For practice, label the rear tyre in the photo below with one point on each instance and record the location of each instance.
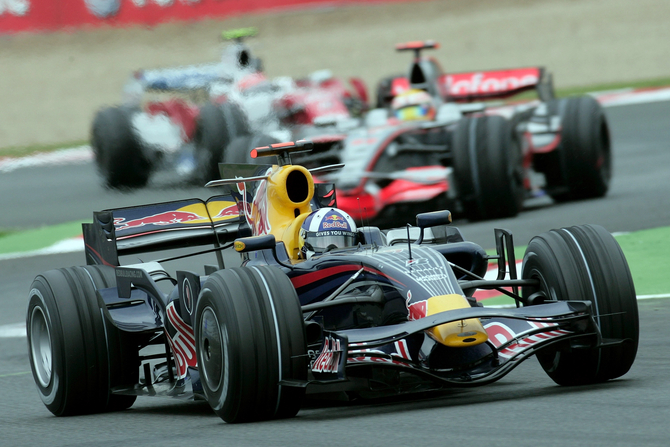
(487, 168)
(218, 125)
(75, 356)
(585, 263)
(118, 153)
(239, 150)
(250, 340)
(581, 166)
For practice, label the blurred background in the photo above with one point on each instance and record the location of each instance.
(62, 60)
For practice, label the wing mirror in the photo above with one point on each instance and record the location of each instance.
(432, 219)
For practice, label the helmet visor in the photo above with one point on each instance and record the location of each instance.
(320, 241)
(410, 113)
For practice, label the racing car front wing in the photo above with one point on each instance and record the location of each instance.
(514, 335)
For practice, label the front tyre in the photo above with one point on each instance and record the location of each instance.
(74, 355)
(585, 263)
(250, 343)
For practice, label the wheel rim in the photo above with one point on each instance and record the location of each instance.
(213, 349)
(40, 346)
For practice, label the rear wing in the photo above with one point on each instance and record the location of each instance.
(192, 77)
(201, 76)
(185, 223)
(482, 85)
(497, 84)
(162, 226)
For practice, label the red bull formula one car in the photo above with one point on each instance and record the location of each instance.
(317, 304)
(476, 158)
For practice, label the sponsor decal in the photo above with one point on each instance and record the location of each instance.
(329, 358)
(337, 224)
(432, 277)
(182, 215)
(489, 82)
(228, 210)
(128, 273)
(396, 353)
(427, 271)
(417, 310)
(182, 342)
(364, 141)
(256, 212)
(333, 233)
(501, 334)
(414, 262)
(331, 221)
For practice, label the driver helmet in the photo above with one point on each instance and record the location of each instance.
(326, 229)
(414, 104)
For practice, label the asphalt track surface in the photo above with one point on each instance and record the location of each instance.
(524, 408)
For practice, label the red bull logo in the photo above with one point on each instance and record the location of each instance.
(336, 224)
(169, 218)
(226, 212)
(192, 214)
(334, 221)
(418, 310)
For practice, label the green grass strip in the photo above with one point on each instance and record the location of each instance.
(36, 239)
(648, 83)
(647, 253)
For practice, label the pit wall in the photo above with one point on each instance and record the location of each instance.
(37, 16)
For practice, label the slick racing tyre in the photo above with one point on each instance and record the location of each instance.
(239, 150)
(118, 153)
(218, 125)
(487, 168)
(250, 344)
(585, 263)
(581, 166)
(75, 355)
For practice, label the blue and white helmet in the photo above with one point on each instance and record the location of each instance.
(325, 229)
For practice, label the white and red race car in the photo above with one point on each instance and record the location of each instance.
(476, 157)
(199, 111)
